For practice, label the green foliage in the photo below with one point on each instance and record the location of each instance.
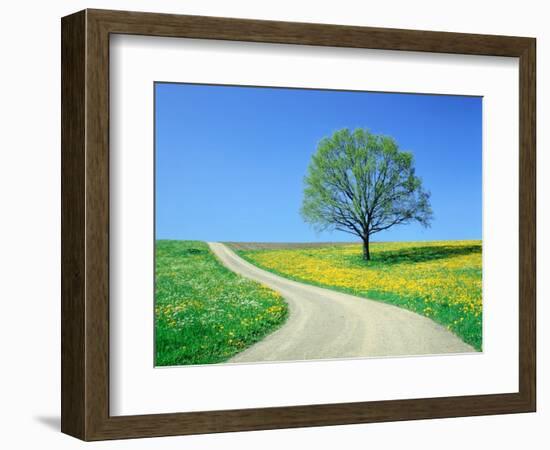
(362, 183)
(205, 313)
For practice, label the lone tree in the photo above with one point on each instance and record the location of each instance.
(361, 183)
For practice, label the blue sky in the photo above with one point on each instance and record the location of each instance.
(230, 161)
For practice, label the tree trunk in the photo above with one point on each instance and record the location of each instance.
(366, 250)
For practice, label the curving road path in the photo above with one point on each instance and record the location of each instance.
(327, 324)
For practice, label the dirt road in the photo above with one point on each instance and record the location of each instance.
(327, 324)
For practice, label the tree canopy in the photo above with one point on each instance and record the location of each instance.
(362, 183)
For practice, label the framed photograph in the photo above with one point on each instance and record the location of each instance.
(273, 225)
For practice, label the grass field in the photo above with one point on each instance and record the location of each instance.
(440, 280)
(205, 313)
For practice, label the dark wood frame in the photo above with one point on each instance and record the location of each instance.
(85, 224)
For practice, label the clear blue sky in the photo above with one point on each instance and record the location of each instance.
(230, 161)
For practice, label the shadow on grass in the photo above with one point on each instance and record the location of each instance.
(414, 255)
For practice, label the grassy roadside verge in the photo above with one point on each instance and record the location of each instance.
(204, 313)
(440, 280)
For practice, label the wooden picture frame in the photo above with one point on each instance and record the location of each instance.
(85, 224)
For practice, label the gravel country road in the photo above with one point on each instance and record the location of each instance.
(327, 324)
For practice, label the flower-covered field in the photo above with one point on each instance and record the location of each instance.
(440, 280)
(205, 313)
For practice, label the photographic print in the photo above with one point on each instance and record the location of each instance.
(300, 224)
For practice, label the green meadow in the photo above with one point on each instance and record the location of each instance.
(205, 313)
(441, 280)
